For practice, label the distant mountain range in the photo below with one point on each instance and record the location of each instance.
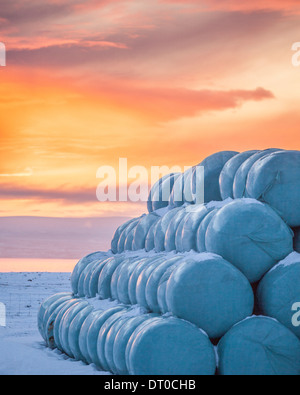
(55, 238)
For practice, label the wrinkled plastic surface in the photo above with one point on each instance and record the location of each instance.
(187, 238)
(201, 232)
(211, 293)
(240, 179)
(44, 307)
(150, 241)
(259, 346)
(57, 322)
(104, 282)
(213, 165)
(81, 265)
(173, 347)
(161, 229)
(229, 171)
(65, 326)
(74, 332)
(176, 197)
(279, 292)
(161, 191)
(93, 333)
(121, 341)
(163, 282)
(153, 282)
(103, 337)
(123, 243)
(132, 284)
(84, 334)
(116, 237)
(143, 279)
(170, 237)
(187, 190)
(251, 236)
(142, 229)
(275, 179)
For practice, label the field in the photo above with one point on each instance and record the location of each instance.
(22, 350)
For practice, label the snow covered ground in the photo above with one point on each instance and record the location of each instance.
(22, 350)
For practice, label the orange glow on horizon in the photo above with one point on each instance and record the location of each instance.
(160, 83)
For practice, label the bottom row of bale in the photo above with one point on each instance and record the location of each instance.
(125, 339)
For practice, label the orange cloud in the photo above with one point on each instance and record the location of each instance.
(292, 6)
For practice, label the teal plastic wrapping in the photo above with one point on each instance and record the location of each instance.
(213, 165)
(279, 293)
(240, 179)
(275, 179)
(173, 347)
(211, 293)
(251, 236)
(259, 346)
(229, 171)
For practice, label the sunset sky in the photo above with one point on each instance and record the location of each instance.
(160, 82)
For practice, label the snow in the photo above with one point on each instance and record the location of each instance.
(218, 204)
(23, 351)
(291, 259)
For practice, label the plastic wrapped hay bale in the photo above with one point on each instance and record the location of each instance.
(212, 209)
(74, 332)
(211, 293)
(213, 165)
(94, 330)
(142, 229)
(170, 237)
(201, 232)
(124, 277)
(84, 334)
(153, 282)
(119, 231)
(279, 293)
(229, 171)
(251, 236)
(297, 239)
(187, 190)
(259, 346)
(150, 241)
(122, 339)
(65, 323)
(186, 236)
(275, 179)
(44, 308)
(143, 279)
(161, 229)
(161, 191)
(81, 265)
(163, 283)
(105, 277)
(50, 315)
(172, 346)
(133, 280)
(58, 319)
(240, 179)
(177, 195)
(124, 235)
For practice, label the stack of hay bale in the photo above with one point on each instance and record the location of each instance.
(187, 277)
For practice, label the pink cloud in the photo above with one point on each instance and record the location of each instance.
(292, 6)
(164, 104)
